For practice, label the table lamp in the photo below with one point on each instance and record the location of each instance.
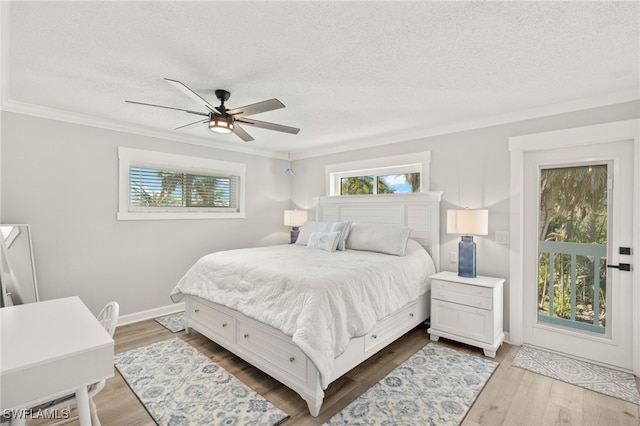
(295, 219)
(468, 223)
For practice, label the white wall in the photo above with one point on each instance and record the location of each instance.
(471, 168)
(62, 179)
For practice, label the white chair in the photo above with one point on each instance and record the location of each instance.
(108, 317)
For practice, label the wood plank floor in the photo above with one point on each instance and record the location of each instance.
(511, 397)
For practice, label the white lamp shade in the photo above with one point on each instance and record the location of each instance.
(468, 222)
(295, 217)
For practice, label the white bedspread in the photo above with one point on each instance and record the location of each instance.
(320, 299)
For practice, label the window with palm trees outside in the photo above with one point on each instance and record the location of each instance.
(572, 250)
(395, 174)
(156, 185)
(380, 184)
(165, 188)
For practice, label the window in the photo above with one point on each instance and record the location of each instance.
(155, 185)
(378, 183)
(390, 175)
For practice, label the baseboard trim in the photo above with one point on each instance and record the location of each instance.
(151, 313)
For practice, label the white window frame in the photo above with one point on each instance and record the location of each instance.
(131, 157)
(396, 164)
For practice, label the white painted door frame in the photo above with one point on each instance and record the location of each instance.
(518, 145)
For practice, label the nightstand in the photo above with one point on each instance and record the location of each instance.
(467, 310)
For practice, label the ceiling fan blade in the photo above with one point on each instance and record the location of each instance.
(193, 95)
(256, 108)
(241, 133)
(191, 124)
(266, 125)
(168, 107)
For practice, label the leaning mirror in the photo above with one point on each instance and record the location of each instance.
(17, 266)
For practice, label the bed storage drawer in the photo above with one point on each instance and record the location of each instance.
(213, 319)
(383, 332)
(278, 352)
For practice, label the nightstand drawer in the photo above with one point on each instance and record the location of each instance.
(478, 297)
(462, 320)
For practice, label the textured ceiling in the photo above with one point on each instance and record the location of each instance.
(350, 73)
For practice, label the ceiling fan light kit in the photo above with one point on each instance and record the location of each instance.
(222, 120)
(220, 124)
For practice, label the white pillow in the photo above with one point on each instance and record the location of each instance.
(307, 229)
(310, 227)
(323, 240)
(381, 238)
(343, 228)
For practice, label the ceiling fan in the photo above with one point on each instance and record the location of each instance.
(223, 120)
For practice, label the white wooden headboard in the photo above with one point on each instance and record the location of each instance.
(419, 211)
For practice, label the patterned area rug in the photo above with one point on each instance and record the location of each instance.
(174, 322)
(436, 386)
(178, 385)
(580, 373)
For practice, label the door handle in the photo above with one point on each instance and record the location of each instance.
(622, 266)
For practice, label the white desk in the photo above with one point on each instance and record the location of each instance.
(51, 349)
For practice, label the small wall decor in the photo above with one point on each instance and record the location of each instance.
(289, 171)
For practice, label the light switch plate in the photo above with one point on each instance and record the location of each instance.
(502, 237)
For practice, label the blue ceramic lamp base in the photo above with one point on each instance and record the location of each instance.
(467, 257)
(295, 231)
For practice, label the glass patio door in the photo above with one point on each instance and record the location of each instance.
(578, 205)
(573, 223)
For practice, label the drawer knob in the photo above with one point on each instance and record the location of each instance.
(411, 315)
(197, 310)
(374, 336)
(224, 324)
(292, 359)
(246, 335)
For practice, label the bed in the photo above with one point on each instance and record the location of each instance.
(306, 313)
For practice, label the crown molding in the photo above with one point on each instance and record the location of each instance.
(362, 143)
(85, 120)
(512, 117)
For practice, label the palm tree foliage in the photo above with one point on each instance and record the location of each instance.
(359, 185)
(161, 188)
(573, 208)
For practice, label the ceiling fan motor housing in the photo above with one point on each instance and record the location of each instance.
(222, 122)
(222, 95)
